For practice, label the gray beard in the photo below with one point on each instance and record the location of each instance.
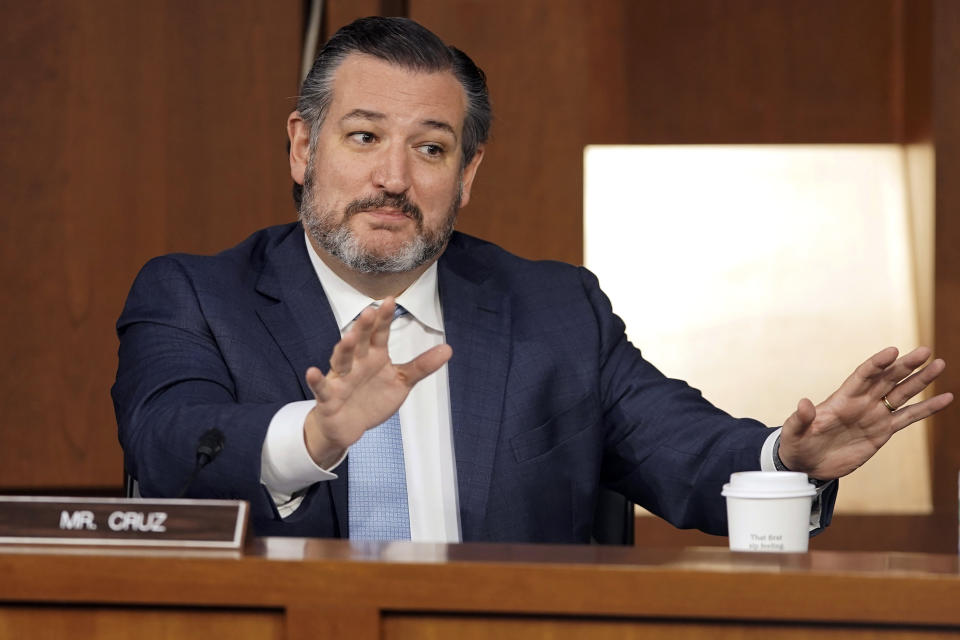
(341, 242)
(338, 239)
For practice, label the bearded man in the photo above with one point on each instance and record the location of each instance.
(378, 375)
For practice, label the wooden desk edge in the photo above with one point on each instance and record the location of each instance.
(876, 588)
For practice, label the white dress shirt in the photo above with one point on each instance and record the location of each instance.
(286, 466)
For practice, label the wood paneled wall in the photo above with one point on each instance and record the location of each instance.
(129, 130)
(945, 444)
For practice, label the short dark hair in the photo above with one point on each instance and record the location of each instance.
(407, 44)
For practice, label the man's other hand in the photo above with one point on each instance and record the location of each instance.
(835, 437)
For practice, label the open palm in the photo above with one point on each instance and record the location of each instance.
(835, 437)
(363, 387)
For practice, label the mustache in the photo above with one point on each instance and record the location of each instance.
(398, 201)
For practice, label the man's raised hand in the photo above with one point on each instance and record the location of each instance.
(363, 387)
(845, 430)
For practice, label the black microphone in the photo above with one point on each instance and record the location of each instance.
(209, 447)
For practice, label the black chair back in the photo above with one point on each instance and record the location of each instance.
(613, 520)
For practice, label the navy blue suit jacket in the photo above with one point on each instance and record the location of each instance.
(548, 398)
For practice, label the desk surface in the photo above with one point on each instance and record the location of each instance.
(896, 588)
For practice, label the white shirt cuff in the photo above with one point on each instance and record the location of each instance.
(766, 452)
(285, 464)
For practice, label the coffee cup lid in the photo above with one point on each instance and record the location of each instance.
(768, 484)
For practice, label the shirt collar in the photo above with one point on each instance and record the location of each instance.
(421, 299)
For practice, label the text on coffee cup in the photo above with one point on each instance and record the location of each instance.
(766, 542)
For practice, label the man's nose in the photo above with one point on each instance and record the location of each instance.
(392, 172)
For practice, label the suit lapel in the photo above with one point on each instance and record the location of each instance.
(298, 317)
(476, 318)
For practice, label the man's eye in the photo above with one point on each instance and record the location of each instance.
(363, 137)
(431, 150)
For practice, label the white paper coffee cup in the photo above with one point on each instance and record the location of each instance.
(769, 511)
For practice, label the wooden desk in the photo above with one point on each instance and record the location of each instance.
(298, 588)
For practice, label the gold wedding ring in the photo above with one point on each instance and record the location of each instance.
(887, 404)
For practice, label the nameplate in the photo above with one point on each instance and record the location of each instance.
(125, 522)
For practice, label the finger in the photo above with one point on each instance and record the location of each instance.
(914, 384)
(317, 383)
(362, 329)
(864, 377)
(905, 416)
(801, 419)
(425, 364)
(341, 360)
(381, 334)
(905, 365)
(388, 306)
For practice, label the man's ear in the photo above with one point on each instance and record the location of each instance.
(298, 131)
(469, 173)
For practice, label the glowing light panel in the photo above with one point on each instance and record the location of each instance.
(761, 274)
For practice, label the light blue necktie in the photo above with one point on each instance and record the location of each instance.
(377, 482)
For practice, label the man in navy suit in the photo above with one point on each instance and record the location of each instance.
(510, 384)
